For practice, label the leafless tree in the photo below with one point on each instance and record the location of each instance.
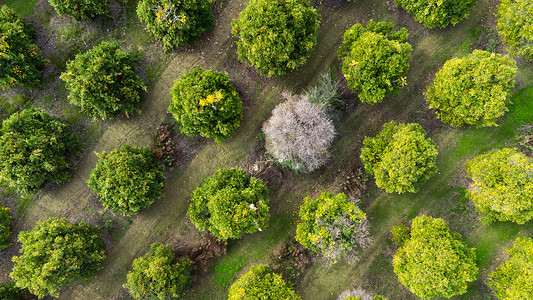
(355, 293)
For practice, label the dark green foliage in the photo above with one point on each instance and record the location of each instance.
(20, 60)
(229, 204)
(176, 22)
(434, 262)
(159, 275)
(56, 252)
(400, 157)
(9, 291)
(437, 14)
(127, 179)
(502, 188)
(472, 90)
(512, 279)
(375, 60)
(276, 36)
(261, 283)
(102, 81)
(80, 10)
(205, 103)
(515, 20)
(5, 227)
(35, 147)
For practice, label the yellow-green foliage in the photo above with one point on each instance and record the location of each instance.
(261, 283)
(159, 275)
(128, 179)
(20, 60)
(9, 291)
(80, 10)
(276, 36)
(502, 188)
(400, 234)
(400, 157)
(331, 225)
(472, 90)
(437, 14)
(56, 252)
(514, 278)
(5, 227)
(515, 23)
(375, 60)
(435, 262)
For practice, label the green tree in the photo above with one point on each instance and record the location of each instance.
(9, 291)
(435, 262)
(176, 22)
(229, 204)
(332, 225)
(5, 227)
(205, 103)
(400, 157)
(375, 60)
(102, 81)
(128, 179)
(159, 275)
(35, 147)
(261, 283)
(276, 36)
(437, 14)
(512, 279)
(514, 23)
(56, 252)
(80, 10)
(502, 187)
(20, 60)
(472, 90)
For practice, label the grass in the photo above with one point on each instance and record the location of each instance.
(21, 7)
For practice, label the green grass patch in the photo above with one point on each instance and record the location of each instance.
(21, 7)
(226, 271)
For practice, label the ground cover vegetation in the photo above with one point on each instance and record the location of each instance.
(261, 282)
(514, 23)
(437, 14)
(80, 10)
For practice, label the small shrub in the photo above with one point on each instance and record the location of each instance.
(326, 93)
(439, 14)
(205, 103)
(514, 21)
(229, 204)
(472, 90)
(400, 234)
(332, 226)
(35, 147)
(9, 291)
(159, 275)
(5, 227)
(512, 279)
(20, 60)
(400, 157)
(80, 10)
(261, 281)
(102, 81)
(176, 22)
(127, 179)
(54, 253)
(375, 60)
(276, 36)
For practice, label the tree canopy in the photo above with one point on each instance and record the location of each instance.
(472, 90)
(20, 59)
(400, 157)
(5, 227)
(80, 10)
(276, 36)
(127, 179)
(102, 81)
(435, 262)
(514, 22)
(56, 252)
(437, 14)
(205, 103)
(35, 147)
(159, 275)
(375, 60)
(502, 187)
(176, 22)
(229, 204)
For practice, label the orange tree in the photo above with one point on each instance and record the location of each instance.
(230, 204)
(128, 179)
(514, 22)
(205, 103)
(56, 252)
(5, 227)
(80, 10)
(102, 81)
(20, 60)
(437, 14)
(35, 147)
(176, 22)
(159, 275)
